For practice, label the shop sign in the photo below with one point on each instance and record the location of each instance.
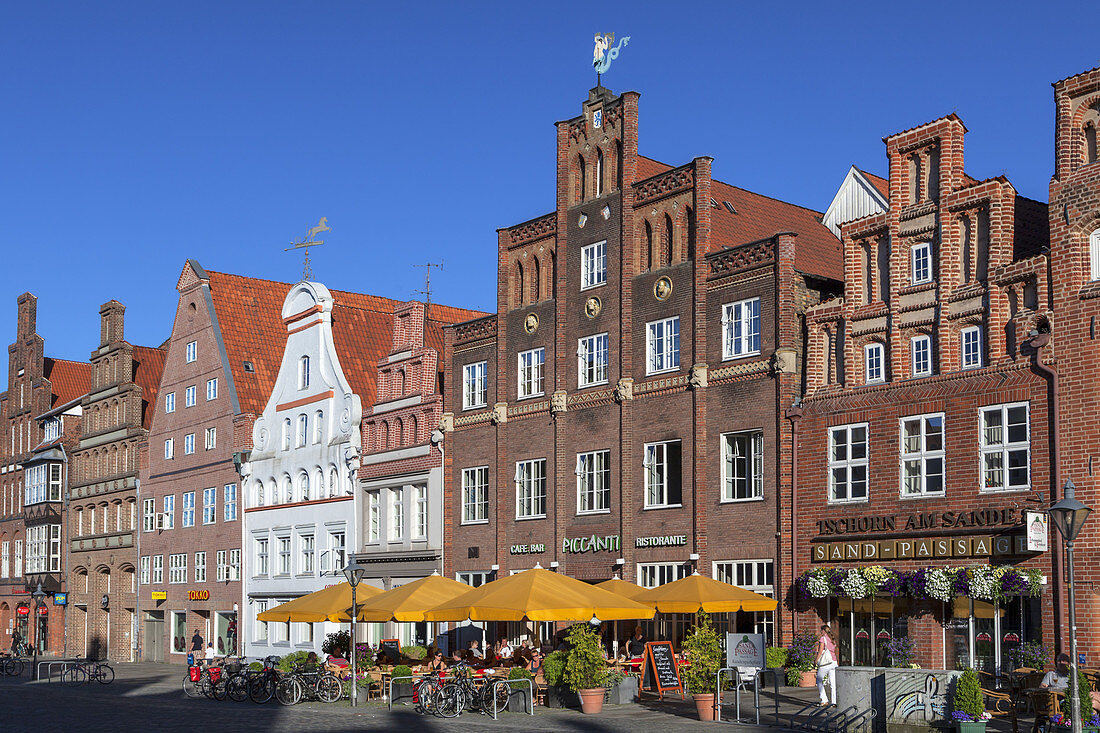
(594, 543)
(159, 595)
(745, 650)
(1010, 636)
(198, 595)
(1036, 525)
(1006, 517)
(534, 549)
(672, 540)
(60, 599)
(884, 635)
(984, 636)
(23, 611)
(862, 634)
(920, 548)
(43, 610)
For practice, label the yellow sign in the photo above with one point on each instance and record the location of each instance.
(159, 595)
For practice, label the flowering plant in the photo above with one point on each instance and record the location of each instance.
(940, 584)
(964, 717)
(816, 583)
(935, 583)
(900, 651)
(855, 585)
(800, 656)
(1031, 654)
(983, 583)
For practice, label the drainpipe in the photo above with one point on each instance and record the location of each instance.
(1038, 341)
(135, 646)
(794, 414)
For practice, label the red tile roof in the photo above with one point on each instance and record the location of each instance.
(817, 251)
(249, 314)
(69, 379)
(648, 167)
(882, 184)
(148, 365)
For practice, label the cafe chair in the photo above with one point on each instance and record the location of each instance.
(1001, 705)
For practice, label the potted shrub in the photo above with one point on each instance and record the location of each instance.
(1089, 720)
(553, 671)
(622, 688)
(519, 694)
(703, 650)
(801, 665)
(404, 688)
(968, 706)
(585, 668)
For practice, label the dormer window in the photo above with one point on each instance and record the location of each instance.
(51, 429)
(303, 373)
(921, 263)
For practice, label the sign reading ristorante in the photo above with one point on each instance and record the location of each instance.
(925, 521)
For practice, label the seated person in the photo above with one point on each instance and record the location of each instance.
(311, 663)
(437, 663)
(457, 656)
(635, 646)
(1057, 679)
(534, 664)
(504, 649)
(381, 658)
(475, 650)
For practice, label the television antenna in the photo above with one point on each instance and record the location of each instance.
(427, 291)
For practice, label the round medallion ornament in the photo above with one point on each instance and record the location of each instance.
(592, 307)
(662, 288)
(531, 323)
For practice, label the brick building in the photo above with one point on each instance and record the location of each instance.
(619, 414)
(43, 394)
(924, 434)
(102, 492)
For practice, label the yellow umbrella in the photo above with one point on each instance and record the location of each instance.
(623, 588)
(697, 592)
(328, 604)
(538, 595)
(408, 602)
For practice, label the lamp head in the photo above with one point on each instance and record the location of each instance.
(1069, 515)
(354, 572)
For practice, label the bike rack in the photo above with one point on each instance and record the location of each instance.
(49, 668)
(740, 685)
(530, 691)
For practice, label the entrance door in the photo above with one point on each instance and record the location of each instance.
(153, 645)
(42, 633)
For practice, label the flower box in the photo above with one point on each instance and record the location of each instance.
(965, 727)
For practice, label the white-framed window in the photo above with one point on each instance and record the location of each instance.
(475, 385)
(1006, 447)
(305, 554)
(44, 548)
(593, 265)
(922, 455)
(473, 579)
(211, 438)
(177, 568)
(743, 466)
(303, 373)
(230, 496)
(921, 263)
(374, 517)
(530, 373)
(970, 345)
(531, 489)
(741, 329)
(475, 495)
(397, 514)
(1094, 255)
(5, 558)
(188, 444)
(592, 360)
(920, 353)
(143, 573)
(189, 509)
(158, 569)
(662, 474)
(258, 626)
(653, 574)
(318, 426)
(200, 567)
(283, 543)
(51, 429)
(170, 402)
(148, 515)
(17, 569)
(235, 564)
(189, 396)
(42, 483)
(222, 567)
(209, 505)
(169, 449)
(192, 351)
(170, 511)
(848, 454)
(212, 389)
(594, 482)
(302, 431)
(336, 544)
(420, 497)
(662, 345)
(874, 363)
(757, 576)
(286, 433)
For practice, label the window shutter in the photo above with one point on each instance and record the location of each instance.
(672, 466)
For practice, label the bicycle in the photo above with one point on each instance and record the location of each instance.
(204, 682)
(240, 677)
(100, 671)
(264, 685)
(12, 666)
(491, 696)
(315, 683)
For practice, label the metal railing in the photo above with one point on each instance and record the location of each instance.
(50, 664)
(740, 684)
(529, 683)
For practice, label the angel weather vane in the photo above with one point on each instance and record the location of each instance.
(604, 53)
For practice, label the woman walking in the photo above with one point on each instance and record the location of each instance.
(825, 656)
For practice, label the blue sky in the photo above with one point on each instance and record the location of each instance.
(136, 135)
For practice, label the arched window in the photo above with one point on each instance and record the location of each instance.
(302, 432)
(288, 490)
(667, 256)
(79, 522)
(286, 433)
(1094, 255)
(317, 485)
(384, 436)
(519, 283)
(397, 436)
(303, 373)
(582, 179)
(333, 481)
(536, 281)
(1090, 143)
(400, 383)
(318, 426)
(414, 436)
(647, 248)
(599, 172)
(915, 183)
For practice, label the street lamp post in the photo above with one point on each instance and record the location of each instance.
(1069, 516)
(354, 572)
(39, 596)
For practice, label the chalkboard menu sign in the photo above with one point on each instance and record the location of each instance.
(661, 671)
(392, 649)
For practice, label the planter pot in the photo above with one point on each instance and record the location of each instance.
(561, 697)
(592, 700)
(978, 727)
(518, 699)
(402, 691)
(624, 693)
(704, 705)
(809, 679)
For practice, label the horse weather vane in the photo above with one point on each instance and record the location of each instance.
(604, 53)
(310, 240)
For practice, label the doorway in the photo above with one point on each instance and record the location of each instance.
(153, 644)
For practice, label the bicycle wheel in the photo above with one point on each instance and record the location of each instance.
(426, 694)
(74, 675)
(105, 674)
(288, 691)
(262, 689)
(191, 689)
(329, 688)
(20, 665)
(237, 688)
(9, 667)
(449, 702)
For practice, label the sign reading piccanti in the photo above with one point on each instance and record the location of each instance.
(594, 543)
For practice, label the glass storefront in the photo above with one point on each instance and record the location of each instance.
(225, 633)
(178, 631)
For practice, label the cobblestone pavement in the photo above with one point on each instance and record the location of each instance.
(149, 697)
